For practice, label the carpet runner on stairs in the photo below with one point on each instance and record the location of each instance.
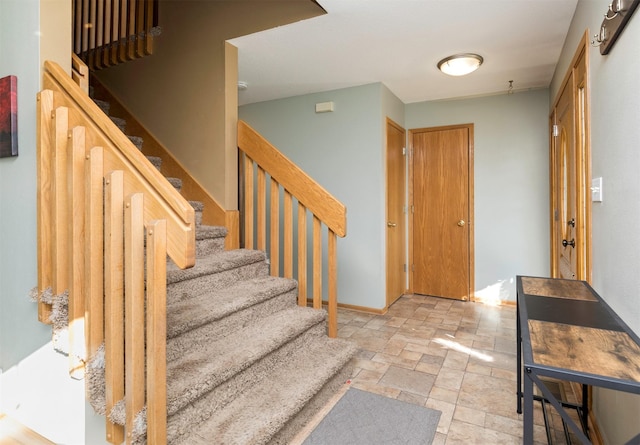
(245, 364)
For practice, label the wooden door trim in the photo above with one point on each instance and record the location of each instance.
(398, 127)
(471, 222)
(576, 78)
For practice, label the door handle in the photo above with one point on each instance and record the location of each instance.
(461, 223)
(390, 224)
(571, 243)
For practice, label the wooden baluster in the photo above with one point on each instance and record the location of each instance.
(274, 249)
(60, 202)
(112, 54)
(288, 235)
(106, 34)
(94, 261)
(317, 263)
(45, 173)
(140, 28)
(77, 248)
(262, 210)
(122, 32)
(114, 298)
(134, 309)
(302, 255)
(248, 203)
(85, 27)
(100, 33)
(91, 28)
(148, 38)
(131, 30)
(157, 332)
(77, 43)
(332, 307)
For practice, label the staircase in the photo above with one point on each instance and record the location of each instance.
(243, 360)
(245, 364)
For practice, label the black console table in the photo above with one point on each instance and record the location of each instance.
(566, 331)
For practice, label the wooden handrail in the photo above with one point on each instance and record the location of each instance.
(102, 209)
(103, 132)
(260, 159)
(320, 202)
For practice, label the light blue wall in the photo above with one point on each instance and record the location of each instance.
(615, 150)
(341, 150)
(511, 164)
(35, 387)
(20, 332)
(344, 151)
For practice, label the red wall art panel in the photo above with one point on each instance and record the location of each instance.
(8, 116)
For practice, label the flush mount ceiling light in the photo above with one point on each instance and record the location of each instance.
(460, 64)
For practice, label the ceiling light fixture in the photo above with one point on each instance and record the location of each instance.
(460, 64)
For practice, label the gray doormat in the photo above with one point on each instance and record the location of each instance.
(362, 417)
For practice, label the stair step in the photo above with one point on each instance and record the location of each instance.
(120, 123)
(238, 319)
(257, 415)
(214, 272)
(209, 239)
(137, 141)
(176, 182)
(199, 208)
(156, 161)
(194, 374)
(103, 105)
(193, 313)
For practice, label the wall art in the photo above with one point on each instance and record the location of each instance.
(8, 116)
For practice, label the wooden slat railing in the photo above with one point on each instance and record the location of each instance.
(261, 161)
(109, 32)
(103, 208)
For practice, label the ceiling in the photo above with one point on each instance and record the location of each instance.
(399, 43)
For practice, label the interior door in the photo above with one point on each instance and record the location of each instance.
(571, 173)
(442, 208)
(395, 223)
(565, 214)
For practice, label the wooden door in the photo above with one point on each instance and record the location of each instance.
(442, 238)
(570, 173)
(565, 214)
(395, 223)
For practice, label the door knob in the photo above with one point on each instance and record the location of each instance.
(461, 223)
(390, 224)
(571, 243)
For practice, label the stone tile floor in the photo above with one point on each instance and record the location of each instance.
(453, 356)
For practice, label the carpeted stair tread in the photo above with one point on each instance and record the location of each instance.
(257, 415)
(103, 105)
(194, 374)
(120, 123)
(175, 182)
(198, 206)
(189, 314)
(230, 259)
(206, 232)
(156, 161)
(137, 141)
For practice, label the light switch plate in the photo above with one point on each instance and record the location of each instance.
(596, 189)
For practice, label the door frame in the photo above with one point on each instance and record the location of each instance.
(403, 222)
(470, 223)
(577, 79)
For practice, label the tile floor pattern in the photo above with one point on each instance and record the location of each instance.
(453, 356)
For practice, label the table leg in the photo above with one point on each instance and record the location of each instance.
(527, 437)
(519, 361)
(585, 409)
